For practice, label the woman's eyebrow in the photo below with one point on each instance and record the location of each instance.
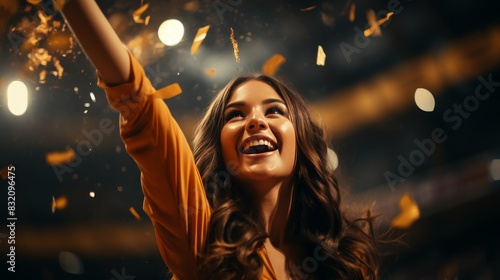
(273, 100)
(243, 103)
(235, 104)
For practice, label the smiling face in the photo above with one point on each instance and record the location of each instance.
(257, 138)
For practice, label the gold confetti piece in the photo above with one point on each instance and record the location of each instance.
(210, 72)
(235, 46)
(42, 75)
(43, 18)
(59, 68)
(59, 204)
(308, 9)
(368, 32)
(168, 91)
(320, 59)
(198, 39)
(4, 173)
(55, 158)
(409, 213)
(146, 20)
(372, 20)
(273, 64)
(136, 215)
(137, 13)
(39, 56)
(352, 12)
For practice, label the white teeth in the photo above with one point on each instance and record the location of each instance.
(257, 143)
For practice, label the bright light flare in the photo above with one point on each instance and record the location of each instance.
(17, 98)
(171, 32)
(425, 100)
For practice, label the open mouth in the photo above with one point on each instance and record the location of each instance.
(258, 147)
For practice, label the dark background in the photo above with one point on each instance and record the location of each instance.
(365, 101)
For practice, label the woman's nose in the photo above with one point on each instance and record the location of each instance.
(256, 122)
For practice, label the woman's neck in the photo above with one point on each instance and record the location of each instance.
(273, 203)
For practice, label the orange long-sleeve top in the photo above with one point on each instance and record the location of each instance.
(174, 197)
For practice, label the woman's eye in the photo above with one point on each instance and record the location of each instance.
(275, 110)
(234, 114)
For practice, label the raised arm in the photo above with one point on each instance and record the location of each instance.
(98, 40)
(174, 197)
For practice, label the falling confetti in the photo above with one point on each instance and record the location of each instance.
(39, 56)
(235, 46)
(273, 64)
(308, 8)
(352, 12)
(320, 59)
(55, 158)
(53, 208)
(375, 25)
(134, 213)
(41, 29)
(198, 39)
(42, 75)
(59, 204)
(59, 68)
(168, 91)
(409, 213)
(92, 96)
(138, 13)
(372, 21)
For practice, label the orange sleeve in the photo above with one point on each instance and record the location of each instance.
(174, 197)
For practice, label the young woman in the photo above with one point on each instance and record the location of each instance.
(257, 200)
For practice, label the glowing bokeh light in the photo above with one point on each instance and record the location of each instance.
(424, 100)
(333, 159)
(17, 98)
(495, 169)
(171, 32)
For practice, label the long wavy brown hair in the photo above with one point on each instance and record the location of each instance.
(329, 245)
